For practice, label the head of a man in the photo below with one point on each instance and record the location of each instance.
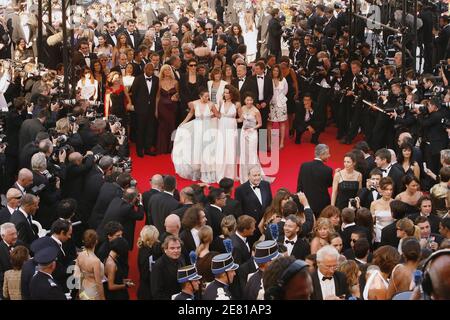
(172, 247)
(9, 233)
(13, 197)
(327, 260)
(30, 203)
(172, 224)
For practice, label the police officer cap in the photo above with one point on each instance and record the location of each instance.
(46, 255)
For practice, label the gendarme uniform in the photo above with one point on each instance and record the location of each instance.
(42, 285)
(265, 251)
(186, 274)
(218, 290)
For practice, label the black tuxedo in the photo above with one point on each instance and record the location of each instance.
(317, 192)
(311, 63)
(79, 59)
(146, 197)
(366, 197)
(145, 106)
(297, 56)
(93, 182)
(274, 31)
(315, 121)
(389, 235)
(214, 41)
(49, 197)
(268, 94)
(137, 39)
(28, 131)
(5, 215)
(126, 214)
(253, 286)
(160, 206)
(232, 207)
(188, 244)
(107, 193)
(119, 69)
(249, 85)
(332, 23)
(249, 201)
(73, 186)
(301, 248)
(164, 282)
(397, 175)
(25, 232)
(214, 218)
(340, 283)
(241, 252)
(433, 219)
(109, 39)
(346, 235)
(181, 210)
(240, 280)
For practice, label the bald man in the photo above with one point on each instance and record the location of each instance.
(24, 180)
(144, 89)
(244, 83)
(172, 226)
(156, 186)
(13, 197)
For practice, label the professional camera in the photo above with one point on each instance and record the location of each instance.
(288, 33)
(445, 105)
(3, 140)
(400, 109)
(353, 202)
(416, 106)
(123, 164)
(113, 119)
(412, 82)
(446, 123)
(383, 93)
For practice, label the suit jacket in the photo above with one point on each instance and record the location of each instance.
(93, 183)
(146, 197)
(366, 197)
(249, 201)
(301, 249)
(346, 235)
(108, 191)
(28, 131)
(240, 281)
(253, 286)
(268, 89)
(110, 40)
(188, 244)
(389, 235)
(143, 101)
(396, 174)
(317, 192)
(5, 215)
(249, 85)
(181, 210)
(314, 121)
(214, 41)
(433, 219)
(232, 207)
(25, 232)
(160, 206)
(214, 217)
(74, 182)
(340, 283)
(240, 251)
(124, 213)
(137, 39)
(274, 35)
(164, 282)
(78, 58)
(435, 132)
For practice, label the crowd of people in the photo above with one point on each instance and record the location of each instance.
(141, 71)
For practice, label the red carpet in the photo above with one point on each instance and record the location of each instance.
(291, 157)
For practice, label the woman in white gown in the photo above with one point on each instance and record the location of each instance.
(194, 150)
(251, 118)
(278, 105)
(380, 209)
(250, 34)
(226, 158)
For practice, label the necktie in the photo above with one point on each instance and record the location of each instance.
(327, 278)
(289, 242)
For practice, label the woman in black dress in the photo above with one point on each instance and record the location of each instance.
(346, 183)
(149, 251)
(293, 93)
(166, 109)
(117, 99)
(236, 37)
(116, 270)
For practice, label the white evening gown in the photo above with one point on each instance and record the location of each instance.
(226, 160)
(193, 154)
(251, 41)
(248, 156)
(382, 219)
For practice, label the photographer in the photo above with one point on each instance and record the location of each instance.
(112, 143)
(435, 136)
(49, 190)
(76, 171)
(31, 127)
(67, 131)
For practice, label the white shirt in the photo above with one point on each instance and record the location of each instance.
(168, 192)
(114, 39)
(348, 225)
(213, 205)
(241, 83)
(131, 37)
(210, 42)
(11, 210)
(308, 114)
(375, 194)
(289, 246)
(194, 233)
(257, 191)
(149, 84)
(24, 213)
(327, 286)
(59, 244)
(388, 169)
(243, 239)
(260, 87)
(22, 189)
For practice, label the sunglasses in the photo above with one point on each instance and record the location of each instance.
(208, 29)
(192, 65)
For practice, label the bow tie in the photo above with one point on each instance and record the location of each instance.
(256, 187)
(123, 67)
(260, 77)
(327, 278)
(289, 242)
(242, 80)
(384, 170)
(10, 248)
(148, 79)
(209, 37)
(86, 56)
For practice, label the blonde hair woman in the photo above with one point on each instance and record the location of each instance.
(205, 256)
(166, 108)
(250, 34)
(322, 232)
(149, 250)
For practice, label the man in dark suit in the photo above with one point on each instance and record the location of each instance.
(133, 37)
(9, 237)
(296, 246)
(245, 229)
(209, 37)
(242, 273)
(111, 37)
(264, 92)
(144, 90)
(243, 83)
(121, 67)
(76, 170)
(22, 219)
(24, 181)
(108, 192)
(274, 34)
(307, 119)
(187, 200)
(126, 210)
(82, 57)
(370, 193)
(383, 161)
(322, 175)
(389, 233)
(232, 206)
(156, 186)
(349, 227)
(13, 197)
(328, 283)
(254, 196)
(426, 210)
(31, 127)
(214, 212)
(162, 204)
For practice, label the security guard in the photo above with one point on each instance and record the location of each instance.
(190, 283)
(223, 268)
(265, 253)
(42, 286)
